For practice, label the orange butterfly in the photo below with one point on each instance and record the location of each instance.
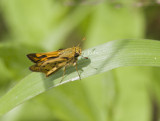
(51, 62)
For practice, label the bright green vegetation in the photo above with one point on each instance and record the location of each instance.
(120, 78)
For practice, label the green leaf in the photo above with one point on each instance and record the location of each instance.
(102, 58)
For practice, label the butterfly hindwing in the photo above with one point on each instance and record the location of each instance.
(50, 66)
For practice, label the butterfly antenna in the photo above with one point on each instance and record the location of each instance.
(83, 39)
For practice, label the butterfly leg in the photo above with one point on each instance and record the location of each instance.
(84, 57)
(64, 71)
(75, 64)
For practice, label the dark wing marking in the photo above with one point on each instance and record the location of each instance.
(66, 58)
(39, 57)
(51, 57)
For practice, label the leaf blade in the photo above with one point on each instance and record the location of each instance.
(104, 57)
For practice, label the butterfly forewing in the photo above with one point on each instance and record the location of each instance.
(39, 57)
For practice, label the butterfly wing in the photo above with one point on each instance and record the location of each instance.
(49, 66)
(39, 57)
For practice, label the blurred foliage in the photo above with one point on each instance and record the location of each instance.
(123, 94)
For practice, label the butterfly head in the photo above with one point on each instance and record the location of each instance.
(77, 51)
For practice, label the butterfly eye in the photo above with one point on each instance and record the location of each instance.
(76, 54)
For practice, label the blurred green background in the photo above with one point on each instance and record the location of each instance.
(123, 94)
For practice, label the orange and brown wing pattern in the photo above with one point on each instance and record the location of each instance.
(39, 57)
(50, 66)
(51, 62)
